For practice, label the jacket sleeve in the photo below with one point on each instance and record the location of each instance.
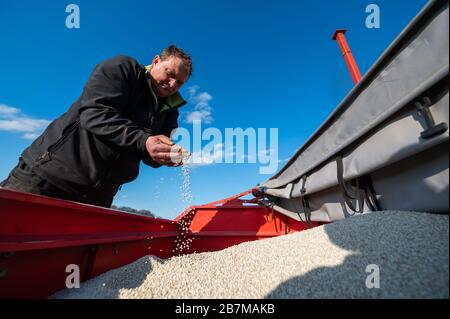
(104, 101)
(171, 123)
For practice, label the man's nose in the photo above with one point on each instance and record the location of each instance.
(173, 83)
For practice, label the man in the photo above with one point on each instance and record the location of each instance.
(125, 115)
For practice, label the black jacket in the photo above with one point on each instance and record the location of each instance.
(97, 145)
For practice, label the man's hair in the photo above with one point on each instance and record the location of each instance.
(173, 50)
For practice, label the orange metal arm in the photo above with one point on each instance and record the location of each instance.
(347, 53)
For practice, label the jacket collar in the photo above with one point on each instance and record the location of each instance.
(171, 102)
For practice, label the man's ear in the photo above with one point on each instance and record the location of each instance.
(156, 60)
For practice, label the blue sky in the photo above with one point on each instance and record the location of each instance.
(260, 64)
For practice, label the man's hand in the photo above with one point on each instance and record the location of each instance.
(164, 151)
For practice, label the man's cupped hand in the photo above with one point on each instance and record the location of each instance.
(164, 151)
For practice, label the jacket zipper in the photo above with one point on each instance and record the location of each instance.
(47, 155)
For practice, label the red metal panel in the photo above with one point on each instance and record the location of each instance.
(212, 228)
(40, 236)
(39, 273)
(40, 215)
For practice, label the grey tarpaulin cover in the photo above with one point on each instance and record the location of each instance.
(386, 145)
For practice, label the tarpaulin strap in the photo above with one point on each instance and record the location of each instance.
(305, 203)
(307, 210)
(273, 214)
(359, 193)
(298, 214)
(370, 194)
(269, 203)
(432, 129)
(303, 190)
(348, 197)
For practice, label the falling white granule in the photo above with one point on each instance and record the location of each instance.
(186, 186)
(182, 241)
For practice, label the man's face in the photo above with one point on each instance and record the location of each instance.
(168, 76)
